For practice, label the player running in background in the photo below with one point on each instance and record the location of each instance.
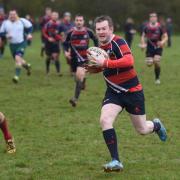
(124, 91)
(129, 31)
(14, 29)
(52, 37)
(66, 26)
(7, 135)
(3, 42)
(154, 37)
(76, 45)
(44, 20)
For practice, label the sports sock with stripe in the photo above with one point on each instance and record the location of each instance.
(5, 131)
(111, 142)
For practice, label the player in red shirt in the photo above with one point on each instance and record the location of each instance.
(154, 37)
(124, 90)
(52, 37)
(7, 135)
(76, 45)
(3, 42)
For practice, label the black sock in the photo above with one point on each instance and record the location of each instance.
(48, 60)
(2, 50)
(78, 89)
(84, 84)
(57, 64)
(111, 142)
(157, 71)
(42, 51)
(157, 126)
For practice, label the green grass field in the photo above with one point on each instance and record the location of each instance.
(56, 141)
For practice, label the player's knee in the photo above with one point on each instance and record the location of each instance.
(1, 117)
(105, 122)
(149, 61)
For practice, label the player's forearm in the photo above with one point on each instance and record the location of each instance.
(45, 34)
(164, 38)
(125, 61)
(142, 39)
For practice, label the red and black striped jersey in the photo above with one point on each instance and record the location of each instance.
(78, 41)
(52, 29)
(154, 33)
(119, 72)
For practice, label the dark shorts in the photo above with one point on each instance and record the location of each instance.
(51, 48)
(75, 63)
(132, 102)
(152, 51)
(18, 49)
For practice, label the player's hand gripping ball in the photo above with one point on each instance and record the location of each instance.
(97, 56)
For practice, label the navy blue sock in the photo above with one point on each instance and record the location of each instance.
(157, 71)
(157, 126)
(111, 142)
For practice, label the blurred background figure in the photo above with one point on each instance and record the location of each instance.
(66, 25)
(3, 42)
(43, 20)
(169, 28)
(129, 31)
(29, 18)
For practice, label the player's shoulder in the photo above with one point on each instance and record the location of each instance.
(118, 40)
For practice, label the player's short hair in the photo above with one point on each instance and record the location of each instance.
(104, 18)
(79, 15)
(153, 14)
(67, 14)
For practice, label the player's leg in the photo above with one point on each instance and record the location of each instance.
(144, 126)
(157, 68)
(42, 46)
(109, 113)
(7, 135)
(25, 65)
(55, 56)
(79, 78)
(48, 49)
(136, 108)
(149, 61)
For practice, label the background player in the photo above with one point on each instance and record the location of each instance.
(66, 26)
(75, 45)
(154, 37)
(52, 37)
(14, 29)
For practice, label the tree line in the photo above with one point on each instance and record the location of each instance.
(119, 10)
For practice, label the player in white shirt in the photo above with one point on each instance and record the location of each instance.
(17, 30)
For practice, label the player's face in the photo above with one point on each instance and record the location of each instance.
(104, 31)
(153, 18)
(67, 18)
(54, 16)
(13, 15)
(48, 12)
(79, 21)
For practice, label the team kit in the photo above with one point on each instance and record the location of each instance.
(109, 55)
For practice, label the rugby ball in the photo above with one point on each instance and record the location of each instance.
(97, 53)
